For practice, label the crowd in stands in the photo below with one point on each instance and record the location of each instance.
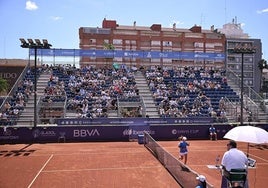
(15, 105)
(92, 91)
(188, 91)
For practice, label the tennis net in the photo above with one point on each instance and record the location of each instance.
(181, 173)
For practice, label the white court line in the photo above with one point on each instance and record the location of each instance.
(91, 153)
(96, 169)
(40, 171)
(258, 157)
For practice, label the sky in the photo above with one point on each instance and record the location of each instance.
(58, 21)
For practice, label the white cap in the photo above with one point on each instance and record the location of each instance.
(184, 138)
(201, 178)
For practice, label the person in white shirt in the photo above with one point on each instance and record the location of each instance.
(233, 159)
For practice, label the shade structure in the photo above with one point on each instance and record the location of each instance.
(249, 134)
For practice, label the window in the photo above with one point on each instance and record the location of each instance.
(199, 44)
(92, 41)
(155, 43)
(117, 41)
(167, 43)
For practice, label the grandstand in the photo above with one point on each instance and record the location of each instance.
(94, 92)
(136, 98)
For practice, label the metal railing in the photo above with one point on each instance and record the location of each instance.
(15, 87)
(248, 91)
(56, 105)
(252, 99)
(123, 103)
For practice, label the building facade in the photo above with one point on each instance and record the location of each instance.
(155, 38)
(234, 37)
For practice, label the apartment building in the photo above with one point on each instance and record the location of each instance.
(163, 46)
(251, 72)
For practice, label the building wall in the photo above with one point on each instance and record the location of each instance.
(251, 71)
(153, 38)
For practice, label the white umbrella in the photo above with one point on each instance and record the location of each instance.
(248, 134)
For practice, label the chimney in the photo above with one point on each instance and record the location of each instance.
(156, 27)
(212, 28)
(109, 24)
(196, 29)
(174, 26)
(134, 24)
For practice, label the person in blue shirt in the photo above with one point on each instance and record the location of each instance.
(183, 149)
(201, 181)
(212, 132)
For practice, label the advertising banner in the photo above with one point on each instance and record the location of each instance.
(133, 121)
(13, 135)
(99, 53)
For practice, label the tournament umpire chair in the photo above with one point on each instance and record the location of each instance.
(236, 178)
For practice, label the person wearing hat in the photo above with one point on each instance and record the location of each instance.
(202, 183)
(183, 148)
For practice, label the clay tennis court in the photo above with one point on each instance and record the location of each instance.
(116, 164)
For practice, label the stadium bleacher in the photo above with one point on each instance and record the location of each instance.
(92, 91)
(189, 91)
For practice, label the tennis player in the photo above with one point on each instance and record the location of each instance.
(183, 149)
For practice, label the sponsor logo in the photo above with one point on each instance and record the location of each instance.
(8, 75)
(128, 132)
(86, 133)
(122, 122)
(175, 131)
(42, 133)
(7, 135)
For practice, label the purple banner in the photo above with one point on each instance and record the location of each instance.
(134, 121)
(67, 134)
(199, 132)
(108, 133)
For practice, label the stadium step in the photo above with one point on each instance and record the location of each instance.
(145, 93)
(27, 115)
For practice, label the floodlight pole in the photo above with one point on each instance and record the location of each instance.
(242, 89)
(35, 45)
(242, 49)
(35, 86)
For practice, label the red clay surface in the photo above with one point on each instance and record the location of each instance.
(203, 153)
(117, 164)
(71, 165)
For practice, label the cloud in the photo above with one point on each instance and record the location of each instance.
(56, 18)
(262, 11)
(30, 5)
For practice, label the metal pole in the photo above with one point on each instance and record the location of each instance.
(35, 87)
(35, 45)
(242, 90)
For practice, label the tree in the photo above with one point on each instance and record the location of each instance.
(262, 65)
(3, 85)
(108, 46)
